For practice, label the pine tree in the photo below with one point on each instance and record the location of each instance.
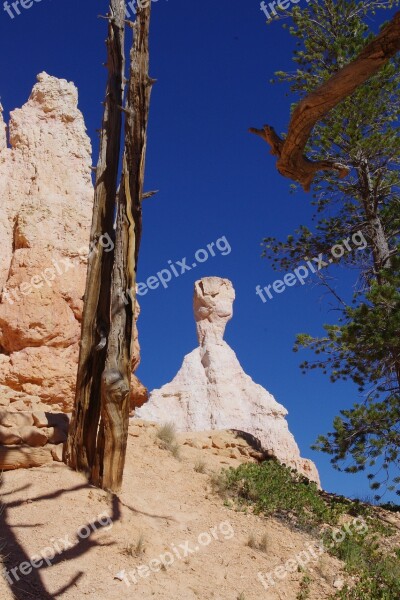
(362, 132)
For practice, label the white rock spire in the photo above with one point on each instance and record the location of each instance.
(211, 390)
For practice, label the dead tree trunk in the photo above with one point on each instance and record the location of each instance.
(115, 385)
(82, 438)
(99, 427)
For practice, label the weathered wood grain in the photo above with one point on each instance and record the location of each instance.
(99, 429)
(117, 372)
(81, 446)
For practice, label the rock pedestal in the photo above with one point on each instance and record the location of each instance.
(211, 390)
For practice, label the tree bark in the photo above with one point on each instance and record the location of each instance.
(98, 432)
(115, 383)
(380, 246)
(82, 439)
(291, 160)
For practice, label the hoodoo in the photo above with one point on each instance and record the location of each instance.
(211, 390)
(45, 214)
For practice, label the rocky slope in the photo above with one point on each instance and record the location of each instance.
(165, 504)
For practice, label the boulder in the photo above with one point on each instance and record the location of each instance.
(15, 419)
(23, 457)
(33, 436)
(40, 419)
(57, 452)
(9, 436)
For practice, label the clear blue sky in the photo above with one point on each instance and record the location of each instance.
(213, 62)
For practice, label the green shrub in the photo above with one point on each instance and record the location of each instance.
(378, 574)
(274, 489)
(304, 592)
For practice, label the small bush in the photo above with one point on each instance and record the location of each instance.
(167, 435)
(136, 549)
(140, 545)
(263, 544)
(252, 541)
(220, 485)
(304, 592)
(200, 466)
(256, 544)
(175, 450)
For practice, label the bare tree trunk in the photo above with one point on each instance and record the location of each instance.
(291, 160)
(98, 433)
(82, 439)
(113, 431)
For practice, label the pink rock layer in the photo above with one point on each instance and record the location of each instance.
(46, 205)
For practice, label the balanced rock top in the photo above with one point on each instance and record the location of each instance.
(211, 390)
(213, 308)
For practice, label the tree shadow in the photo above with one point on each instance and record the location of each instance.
(146, 514)
(12, 553)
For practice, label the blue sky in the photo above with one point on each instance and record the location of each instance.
(213, 62)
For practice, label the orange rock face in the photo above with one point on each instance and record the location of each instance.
(45, 215)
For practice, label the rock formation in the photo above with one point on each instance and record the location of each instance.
(211, 390)
(46, 195)
(31, 439)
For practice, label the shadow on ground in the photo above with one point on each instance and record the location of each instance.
(12, 554)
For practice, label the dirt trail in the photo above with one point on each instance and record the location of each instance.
(166, 507)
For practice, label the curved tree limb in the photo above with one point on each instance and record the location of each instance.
(291, 160)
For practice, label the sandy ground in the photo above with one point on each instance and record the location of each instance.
(165, 513)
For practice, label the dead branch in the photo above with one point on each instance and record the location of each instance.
(292, 162)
